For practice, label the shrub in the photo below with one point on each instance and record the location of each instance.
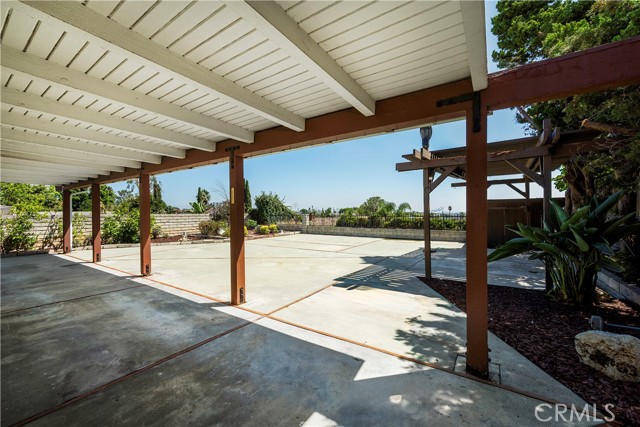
(263, 229)
(273, 228)
(209, 228)
(227, 231)
(15, 230)
(270, 208)
(156, 232)
(78, 230)
(573, 247)
(123, 226)
(250, 223)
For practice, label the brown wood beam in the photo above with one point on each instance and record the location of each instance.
(66, 221)
(145, 224)
(95, 222)
(526, 153)
(477, 218)
(495, 182)
(613, 65)
(236, 194)
(401, 112)
(522, 167)
(600, 68)
(427, 178)
(443, 175)
(517, 190)
(546, 205)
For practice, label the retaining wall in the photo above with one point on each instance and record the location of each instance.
(383, 233)
(172, 224)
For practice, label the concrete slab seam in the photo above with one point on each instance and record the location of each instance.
(397, 355)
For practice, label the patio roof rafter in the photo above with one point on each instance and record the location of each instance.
(89, 134)
(35, 66)
(45, 105)
(110, 35)
(271, 20)
(45, 140)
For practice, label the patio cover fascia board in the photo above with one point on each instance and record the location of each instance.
(586, 71)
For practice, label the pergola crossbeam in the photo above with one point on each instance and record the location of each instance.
(443, 175)
(522, 167)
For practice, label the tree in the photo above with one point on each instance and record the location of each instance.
(158, 205)
(203, 197)
(40, 197)
(81, 199)
(372, 205)
(270, 208)
(529, 31)
(248, 205)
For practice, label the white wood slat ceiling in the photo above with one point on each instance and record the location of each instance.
(90, 87)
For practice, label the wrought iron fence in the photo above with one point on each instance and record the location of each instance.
(439, 221)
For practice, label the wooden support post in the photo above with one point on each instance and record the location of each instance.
(527, 192)
(66, 221)
(145, 224)
(236, 190)
(427, 178)
(95, 222)
(477, 217)
(546, 205)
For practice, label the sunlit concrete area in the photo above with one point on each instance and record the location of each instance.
(335, 331)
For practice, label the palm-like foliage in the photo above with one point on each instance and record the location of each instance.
(574, 247)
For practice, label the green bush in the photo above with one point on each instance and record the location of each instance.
(263, 229)
(123, 226)
(209, 228)
(573, 247)
(273, 228)
(227, 231)
(78, 230)
(15, 230)
(250, 223)
(270, 208)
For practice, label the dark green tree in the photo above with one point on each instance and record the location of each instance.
(40, 197)
(270, 208)
(158, 205)
(81, 200)
(530, 31)
(248, 204)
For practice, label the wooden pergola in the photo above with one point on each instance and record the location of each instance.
(100, 92)
(533, 157)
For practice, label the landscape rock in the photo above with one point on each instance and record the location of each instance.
(615, 355)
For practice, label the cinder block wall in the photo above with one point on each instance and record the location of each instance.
(172, 224)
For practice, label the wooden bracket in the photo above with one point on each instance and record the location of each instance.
(232, 151)
(443, 175)
(522, 167)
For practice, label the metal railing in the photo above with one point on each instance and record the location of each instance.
(439, 221)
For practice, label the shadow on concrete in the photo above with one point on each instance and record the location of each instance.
(252, 376)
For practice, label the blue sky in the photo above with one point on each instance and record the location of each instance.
(345, 174)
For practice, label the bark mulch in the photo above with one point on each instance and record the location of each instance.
(543, 330)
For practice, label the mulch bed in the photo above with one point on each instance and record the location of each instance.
(543, 330)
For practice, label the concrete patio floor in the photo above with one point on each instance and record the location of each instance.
(85, 344)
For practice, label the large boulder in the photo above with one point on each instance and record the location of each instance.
(617, 356)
